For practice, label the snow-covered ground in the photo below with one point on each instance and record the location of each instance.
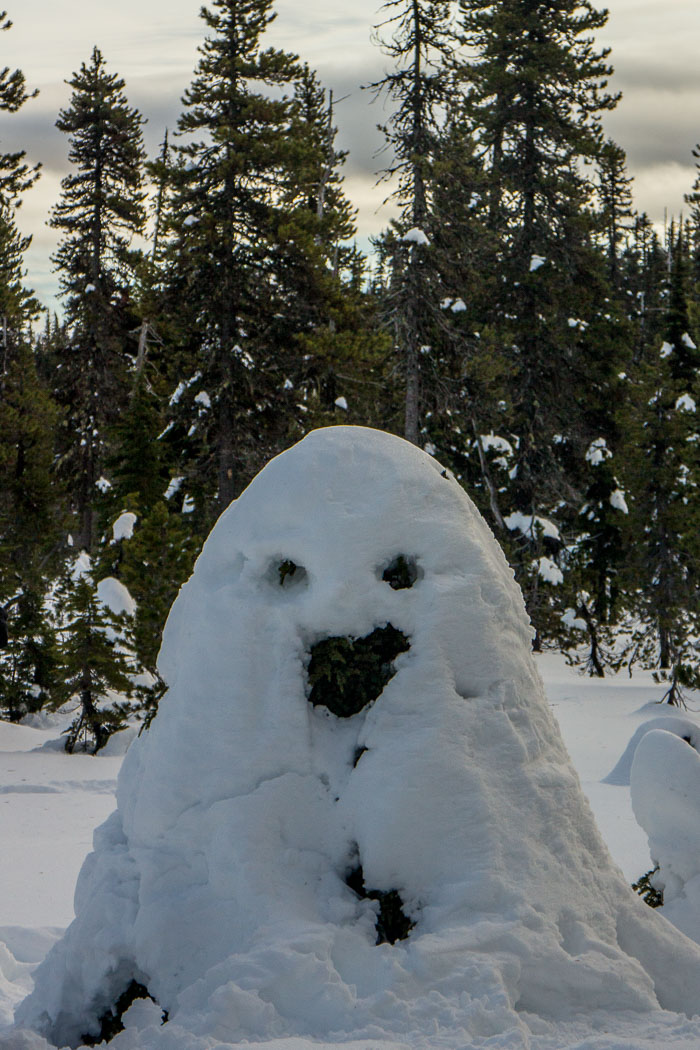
(51, 802)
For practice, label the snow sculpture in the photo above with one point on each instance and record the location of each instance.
(266, 852)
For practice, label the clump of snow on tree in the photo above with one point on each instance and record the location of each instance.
(618, 501)
(244, 877)
(123, 527)
(415, 236)
(115, 596)
(685, 403)
(598, 452)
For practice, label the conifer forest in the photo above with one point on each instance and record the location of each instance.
(518, 319)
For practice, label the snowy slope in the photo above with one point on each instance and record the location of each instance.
(220, 880)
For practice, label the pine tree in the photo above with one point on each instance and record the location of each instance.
(227, 179)
(16, 174)
(536, 91)
(662, 574)
(94, 669)
(416, 35)
(101, 208)
(30, 540)
(615, 197)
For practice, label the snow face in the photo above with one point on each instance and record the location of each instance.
(228, 880)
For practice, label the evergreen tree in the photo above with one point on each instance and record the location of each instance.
(101, 208)
(536, 93)
(94, 668)
(417, 36)
(227, 179)
(663, 470)
(615, 199)
(16, 174)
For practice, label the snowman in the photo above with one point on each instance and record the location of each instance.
(353, 816)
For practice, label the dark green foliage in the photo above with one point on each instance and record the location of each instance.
(347, 674)
(653, 897)
(392, 924)
(101, 209)
(287, 571)
(93, 668)
(401, 573)
(111, 1021)
(16, 175)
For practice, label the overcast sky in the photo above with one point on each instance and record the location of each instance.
(152, 44)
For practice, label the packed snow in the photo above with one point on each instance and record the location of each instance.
(222, 881)
(618, 501)
(415, 236)
(598, 452)
(115, 596)
(123, 527)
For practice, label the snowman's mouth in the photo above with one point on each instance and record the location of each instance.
(392, 924)
(347, 674)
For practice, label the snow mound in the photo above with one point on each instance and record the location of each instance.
(678, 724)
(665, 785)
(418, 868)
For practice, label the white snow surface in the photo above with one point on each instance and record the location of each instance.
(618, 501)
(685, 403)
(112, 593)
(536, 261)
(687, 341)
(527, 524)
(549, 570)
(219, 880)
(415, 236)
(123, 527)
(598, 452)
(665, 787)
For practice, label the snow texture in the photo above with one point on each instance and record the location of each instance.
(341, 402)
(112, 593)
(123, 527)
(598, 452)
(685, 403)
(670, 723)
(687, 341)
(536, 261)
(666, 349)
(219, 881)
(549, 570)
(618, 501)
(665, 786)
(458, 306)
(174, 486)
(527, 524)
(415, 236)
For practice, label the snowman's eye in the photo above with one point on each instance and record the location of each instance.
(401, 572)
(283, 572)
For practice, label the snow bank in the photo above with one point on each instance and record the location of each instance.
(665, 785)
(257, 838)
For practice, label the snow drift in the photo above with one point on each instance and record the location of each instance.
(263, 845)
(665, 785)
